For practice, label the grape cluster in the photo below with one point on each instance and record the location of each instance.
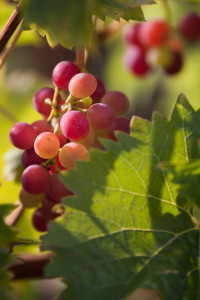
(67, 129)
(153, 44)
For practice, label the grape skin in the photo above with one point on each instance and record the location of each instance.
(35, 179)
(82, 85)
(117, 100)
(74, 125)
(42, 126)
(72, 152)
(30, 157)
(22, 135)
(29, 200)
(100, 115)
(47, 145)
(99, 92)
(63, 73)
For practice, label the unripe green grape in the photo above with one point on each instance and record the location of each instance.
(87, 101)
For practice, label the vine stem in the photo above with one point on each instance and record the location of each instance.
(80, 58)
(10, 46)
(29, 265)
(10, 26)
(166, 9)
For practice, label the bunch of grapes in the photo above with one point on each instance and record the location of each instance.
(67, 129)
(153, 44)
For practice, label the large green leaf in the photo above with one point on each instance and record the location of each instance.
(69, 22)
(127, 227)
(7, 236)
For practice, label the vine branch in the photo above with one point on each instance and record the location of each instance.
(10, 26)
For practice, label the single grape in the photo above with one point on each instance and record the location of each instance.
(119, 124)
(99, 92)
(175, 64)
(35, 179)
(30, 200)
(39, 221)
(47, 208)
(189, 26)
(47, 145)
(132, 34)
(135, 61)
(72, 152)
(154, 33)
(22, 135)
(62, 139)
(74, 125)
(57, 190)
(39, 100)
(42, 126)
(100, 115)
(117, 100)
(30, 157)
(82, 85)
(63, 73)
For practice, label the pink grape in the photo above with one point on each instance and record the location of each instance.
(117, 100)
(72, 152)
(74, 125)
(120, 124)
(135, 61)
(39, 100)
(30, 157)
(132, 34)
(99, 92)
(63, 73)
(47, 145)
(22, 135)
(100, 115)
(35, 179)
(42, 126)
(89, 139)
(82, 85)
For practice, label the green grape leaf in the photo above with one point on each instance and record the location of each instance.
(126, 227)
(187, 177)
(69, 22)
(7, 236)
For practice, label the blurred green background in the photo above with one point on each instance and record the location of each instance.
(29, 68)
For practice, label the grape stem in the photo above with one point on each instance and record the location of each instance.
(54, 106)
(10, 26)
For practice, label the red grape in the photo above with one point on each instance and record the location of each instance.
(29, 200)
(39, 100)
(132, 34)
(135, 61)
(189, 27)
(62, 74)
(121, 124)
(99, 92)
(47, 145)
(42, 126)
(100, 115)
(39, 221)
(154, 33)
(35, 179)
(82, 85)
(74, 125)
(57, 190)
(175, 64)
(30, 157)
(22, 135)
(117, 100)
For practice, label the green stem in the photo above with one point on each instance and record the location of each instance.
(166, 9)
(54, 106)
